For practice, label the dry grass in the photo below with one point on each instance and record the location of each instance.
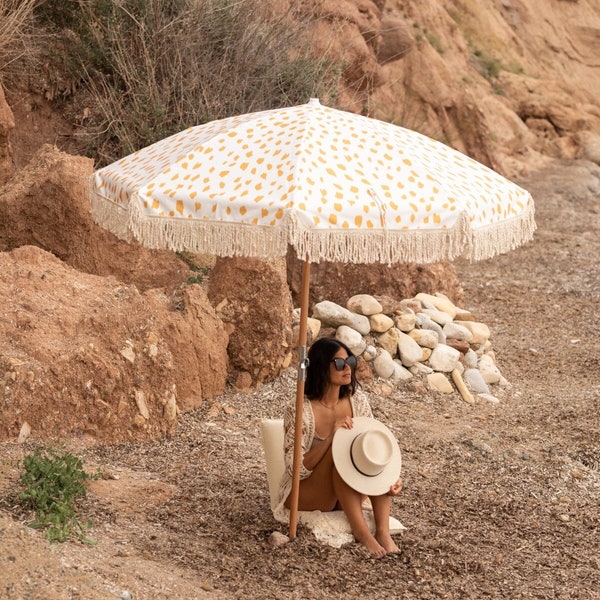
(15, 32)
(143, 70)
(155, 68)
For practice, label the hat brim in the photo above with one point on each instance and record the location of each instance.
(340, 448)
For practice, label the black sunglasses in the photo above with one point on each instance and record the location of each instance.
(340, 363)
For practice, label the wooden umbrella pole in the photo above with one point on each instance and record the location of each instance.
(294, 494)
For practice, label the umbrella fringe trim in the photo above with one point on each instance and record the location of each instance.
(129, 222)
(502, 237)
(387, 247)
(108, 214)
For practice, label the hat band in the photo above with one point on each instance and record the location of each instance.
(356, 466)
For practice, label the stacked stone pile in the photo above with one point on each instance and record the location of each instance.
(427, 337)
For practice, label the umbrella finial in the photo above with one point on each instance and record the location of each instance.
(314, 102)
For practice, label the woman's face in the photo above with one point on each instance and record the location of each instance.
(344, 376)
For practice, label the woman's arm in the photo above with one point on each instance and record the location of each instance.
(314, 455)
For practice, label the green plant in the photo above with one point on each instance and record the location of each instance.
(490, 66)
(199, 278)
(53, 481)
(435, 42)
(196, 264)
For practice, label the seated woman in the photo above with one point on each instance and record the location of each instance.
(331, 402)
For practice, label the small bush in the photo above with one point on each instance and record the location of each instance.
(489, 67)
(53, 481)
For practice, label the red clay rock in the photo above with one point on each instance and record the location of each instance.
(82, 354)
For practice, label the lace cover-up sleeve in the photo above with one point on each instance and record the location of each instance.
(360, 405)
(308, 431)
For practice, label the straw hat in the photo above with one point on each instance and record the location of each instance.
(367, 457)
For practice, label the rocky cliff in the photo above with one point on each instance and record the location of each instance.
(504, 81)
(501, 80)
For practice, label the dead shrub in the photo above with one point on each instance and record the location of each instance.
(157, 67)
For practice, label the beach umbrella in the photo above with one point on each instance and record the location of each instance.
(334, 185)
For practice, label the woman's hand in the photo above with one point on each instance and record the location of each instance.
(343, 423)
(396, 488)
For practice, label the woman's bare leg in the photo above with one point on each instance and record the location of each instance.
(381, 512)
(351, 502)
(324, 488)
(316, 491)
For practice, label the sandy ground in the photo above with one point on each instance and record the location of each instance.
(500, 500)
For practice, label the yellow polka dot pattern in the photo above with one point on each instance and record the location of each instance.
(323, 169)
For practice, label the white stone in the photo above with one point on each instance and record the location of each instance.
(440, 302)
(409, 304)
(426, 305)
(380, 323)
(401, 373)
(425, 322)
(438, 316)
(426, 338)
(426, 354)
(334, 315)
(405, 321)
(128, 353)
(464, 315)
(351, 338)
(439, 382)
(313, 326)
(488, 357)
(277, 539)
(389, 341)
(24, 433)
(364, 304)
(170, 408)
(420, 369)
(490, 354)
(409, 351)
(471, 359)
(474, 381)
(480, 331)
(444, 358)
(369, 353)
(489, 371)
(489, 398)
(140, 400)
(454, 331)
(384, 364)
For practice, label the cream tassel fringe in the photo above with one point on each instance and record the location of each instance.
(387, 247)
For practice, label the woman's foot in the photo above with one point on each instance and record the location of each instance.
(387, 543)
(371, 544)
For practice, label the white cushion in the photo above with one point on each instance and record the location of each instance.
(272, 436)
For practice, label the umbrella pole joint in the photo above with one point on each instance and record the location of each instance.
(303, 363)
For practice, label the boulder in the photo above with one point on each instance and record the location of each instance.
(88, 355)
(46, 204)
(252, 298)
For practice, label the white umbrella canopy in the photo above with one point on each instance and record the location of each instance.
(334, 185)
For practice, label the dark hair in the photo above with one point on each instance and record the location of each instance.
(320, 355)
